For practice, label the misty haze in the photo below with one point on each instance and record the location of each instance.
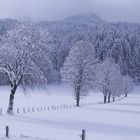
(110, 10)
(69, 70)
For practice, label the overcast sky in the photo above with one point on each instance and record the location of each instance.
(110, 10)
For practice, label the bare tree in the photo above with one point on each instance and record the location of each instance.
(79, 68)
(17, 64)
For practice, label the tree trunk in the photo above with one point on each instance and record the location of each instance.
(11, 99)
(83, 134)
(105, 99)
(78, 97)
(113, 99)
(109, 95)
(77, 101)
(125, 94)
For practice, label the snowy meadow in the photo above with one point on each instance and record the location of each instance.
(115, 121)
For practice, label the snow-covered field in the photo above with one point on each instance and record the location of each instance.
(115, 121)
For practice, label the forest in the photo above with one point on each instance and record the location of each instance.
(49, 43)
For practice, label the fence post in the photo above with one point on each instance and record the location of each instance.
(41, 108)
(44, 107)
(33, 110)
(7, 132)
(0, 111)
(48, 108)
(37, 109)
(83, 134)
(64, 106)
(24, 110)
(29, 109)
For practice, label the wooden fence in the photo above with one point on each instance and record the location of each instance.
(20, 110)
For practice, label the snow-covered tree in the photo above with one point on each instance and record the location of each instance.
(43, 52)
(79, 68)
(17, 64)
(128, 85)
(107, 78)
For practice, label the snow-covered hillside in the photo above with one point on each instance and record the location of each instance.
(115, 121)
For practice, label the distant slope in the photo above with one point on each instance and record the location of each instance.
(89, 18)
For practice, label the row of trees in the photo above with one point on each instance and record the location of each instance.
(32, 54)
(84, 71)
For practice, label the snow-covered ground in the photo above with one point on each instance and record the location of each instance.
(115, 121)
(54, 95)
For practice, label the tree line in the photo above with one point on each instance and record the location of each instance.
(85, 71)
(76, 50)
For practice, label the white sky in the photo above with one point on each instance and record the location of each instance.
(110, 10)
